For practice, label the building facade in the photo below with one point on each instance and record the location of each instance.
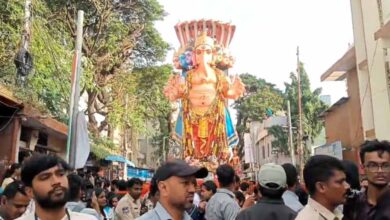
(261, 141)
(365, 113)
(371, 29)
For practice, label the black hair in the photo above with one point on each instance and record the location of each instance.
(240, 196)
(153, 188)
(291, 174)
(11, 170)
(110, 197)
(98, 191)
(134, 181)
(23, 155)
(38, 163)
(76, 183)
(302, 195)
(106, 183)
(122, 185)
(13, 188)
(273, 192)
(244, 186)
(210, 186)
(114, 183)
(352, 174)
(320, 168)
(374, 145)
(225, 175)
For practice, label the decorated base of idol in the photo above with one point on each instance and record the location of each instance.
(202, 88)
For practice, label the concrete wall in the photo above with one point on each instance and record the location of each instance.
(262, 141)
(370, 59)
(344, 122)
(355, 117)
(58, 145)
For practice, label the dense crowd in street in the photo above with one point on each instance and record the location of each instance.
(44, 187)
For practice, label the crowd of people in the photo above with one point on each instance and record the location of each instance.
(43, 187)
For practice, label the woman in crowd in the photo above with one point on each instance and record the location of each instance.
(105, 213)
(12, 174)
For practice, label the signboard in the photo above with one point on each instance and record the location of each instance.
(334, 149)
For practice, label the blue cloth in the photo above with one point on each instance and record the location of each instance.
(121, 159)
(291, 200)
(222, 206)
(160, 213)
(230, 132)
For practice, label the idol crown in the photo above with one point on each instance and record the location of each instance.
(203, 39)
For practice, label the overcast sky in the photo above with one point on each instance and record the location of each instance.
(268, 32)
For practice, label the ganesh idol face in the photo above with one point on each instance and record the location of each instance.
(203, 55)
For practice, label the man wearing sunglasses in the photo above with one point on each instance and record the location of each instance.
(375, 159)
(14, 201)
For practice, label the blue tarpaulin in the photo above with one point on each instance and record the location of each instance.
(143, 174)
(121, 159)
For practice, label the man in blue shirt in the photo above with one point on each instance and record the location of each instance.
(222, 205)
(291, 199)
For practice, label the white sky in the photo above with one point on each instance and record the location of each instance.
(268, 32)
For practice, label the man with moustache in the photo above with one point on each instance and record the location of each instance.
(14, 201)
(175, 185)
(375, 159)
(325, 180)
(47, 184)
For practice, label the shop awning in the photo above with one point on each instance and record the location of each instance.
(121, 159)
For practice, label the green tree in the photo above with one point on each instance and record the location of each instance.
(312, 106)
(280, 143)
(48, 85)
(260, 96)
(121, 48)
(119, 37)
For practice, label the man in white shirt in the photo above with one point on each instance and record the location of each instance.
(291, 199)
(45, 179)
(326, 182)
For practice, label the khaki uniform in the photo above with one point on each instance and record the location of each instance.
(128, 208)
(314, 210)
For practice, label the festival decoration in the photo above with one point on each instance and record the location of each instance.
(204, 127)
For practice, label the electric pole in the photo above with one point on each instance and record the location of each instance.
(300, 147)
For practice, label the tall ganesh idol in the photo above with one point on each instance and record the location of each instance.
(204, 126)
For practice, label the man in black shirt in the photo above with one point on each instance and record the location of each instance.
(375, 158)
